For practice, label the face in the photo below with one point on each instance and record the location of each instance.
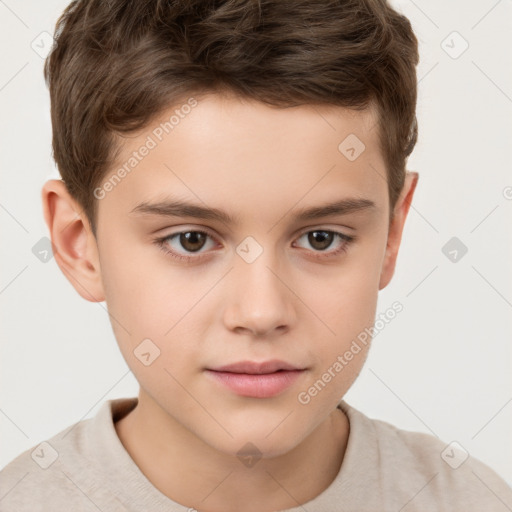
(270, 275)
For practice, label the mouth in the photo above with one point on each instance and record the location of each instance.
(255, 368)
(258, 380)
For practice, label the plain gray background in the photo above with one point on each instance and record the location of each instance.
(442, 366)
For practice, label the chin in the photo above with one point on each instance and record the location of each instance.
(258, 444)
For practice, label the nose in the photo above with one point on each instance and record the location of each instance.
(259, 301)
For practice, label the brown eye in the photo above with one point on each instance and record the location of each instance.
(186, 245)
(192, 240)
(320, 240)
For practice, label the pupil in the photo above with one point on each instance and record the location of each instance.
(325, 239)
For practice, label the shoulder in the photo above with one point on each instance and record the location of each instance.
(61, 473)
(39, 474)
(434, 474)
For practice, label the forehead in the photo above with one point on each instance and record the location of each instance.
(221, 150)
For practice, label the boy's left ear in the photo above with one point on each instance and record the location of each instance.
(396, 228)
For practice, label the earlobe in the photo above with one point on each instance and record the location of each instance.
(76, 250)
(396, 228)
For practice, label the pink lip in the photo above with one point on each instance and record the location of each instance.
(258, 380)
(252, 367)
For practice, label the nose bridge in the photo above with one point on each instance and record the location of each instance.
(259, 301)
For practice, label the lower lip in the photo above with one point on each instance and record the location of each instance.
(257, 386)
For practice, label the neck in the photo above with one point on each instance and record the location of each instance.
(195, 474)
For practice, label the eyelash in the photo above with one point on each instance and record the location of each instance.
(161, 243)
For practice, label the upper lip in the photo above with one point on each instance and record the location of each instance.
(252, 367)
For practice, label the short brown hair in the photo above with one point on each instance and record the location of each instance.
(117, 64)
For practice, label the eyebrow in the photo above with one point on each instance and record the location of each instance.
(180, 208)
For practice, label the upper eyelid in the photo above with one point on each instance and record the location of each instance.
(300, 234)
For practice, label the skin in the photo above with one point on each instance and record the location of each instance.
(262, 165)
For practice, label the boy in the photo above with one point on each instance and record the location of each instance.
(273, 135)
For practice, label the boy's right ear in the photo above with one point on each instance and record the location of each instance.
(75, 248)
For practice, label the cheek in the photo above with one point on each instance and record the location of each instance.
(346, 300)
(154, 306)
(144, 289)
(342, 348)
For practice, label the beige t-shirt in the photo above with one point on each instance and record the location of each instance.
(86, 468)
